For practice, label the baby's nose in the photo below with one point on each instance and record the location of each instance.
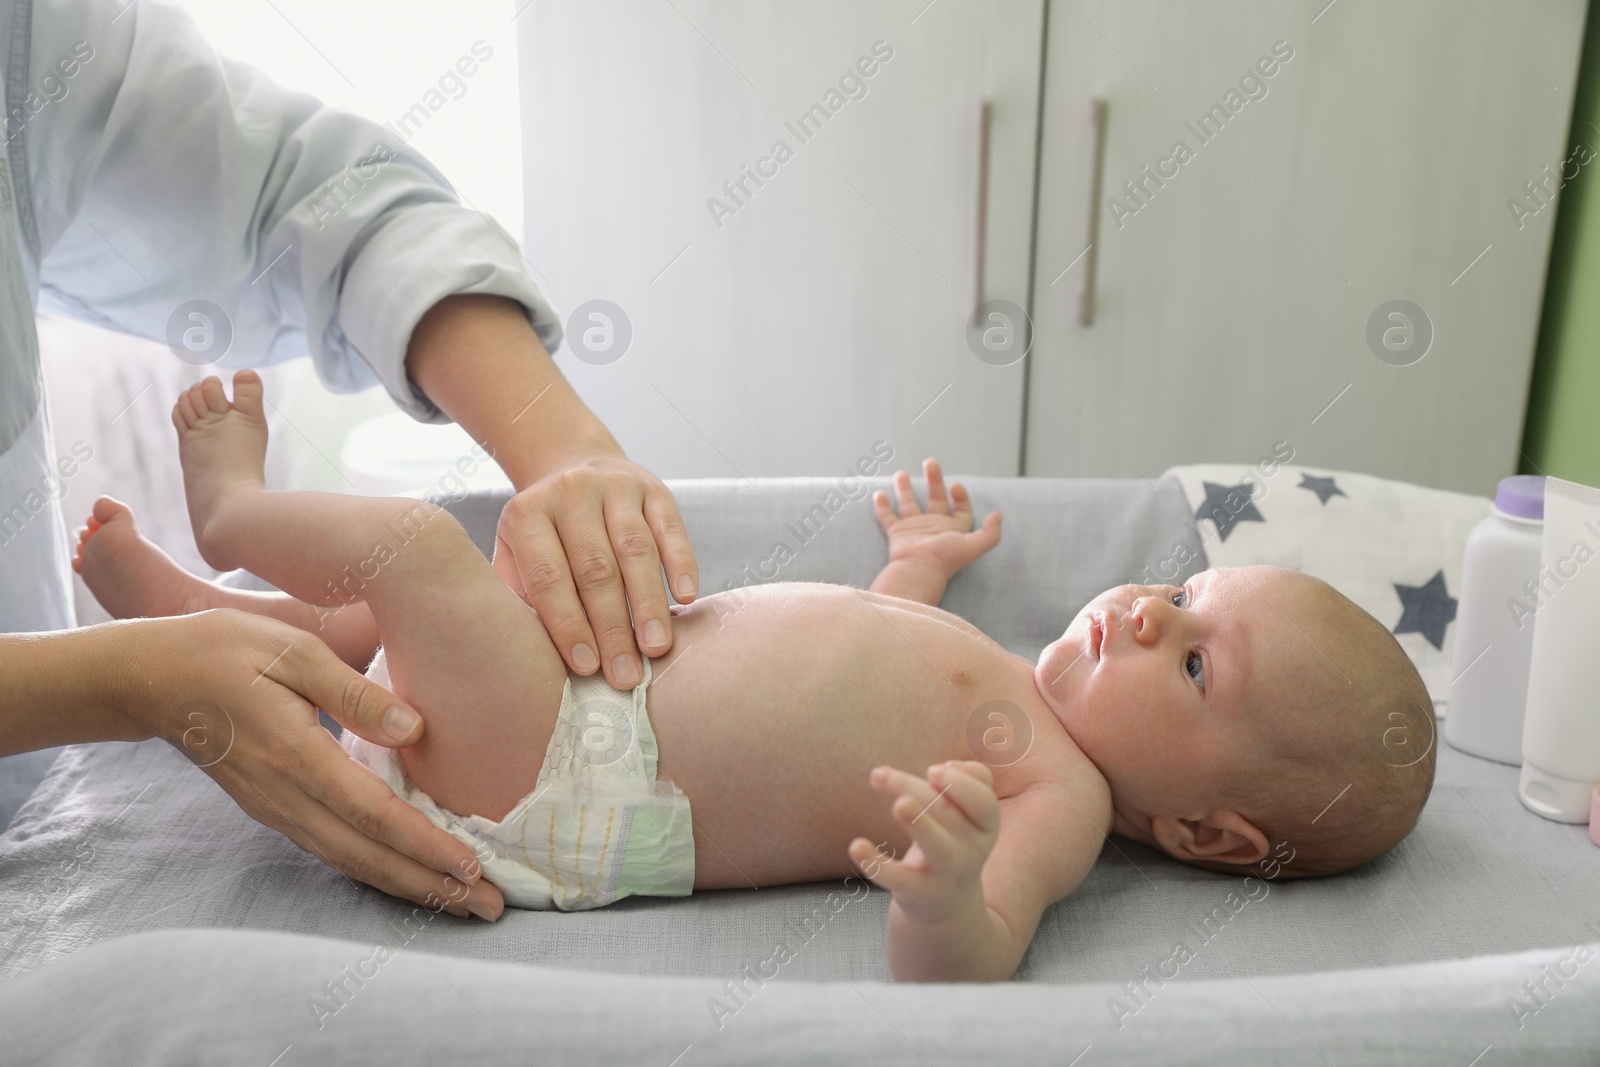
(1138, 623)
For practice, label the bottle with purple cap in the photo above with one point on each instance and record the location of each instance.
(1500, 598)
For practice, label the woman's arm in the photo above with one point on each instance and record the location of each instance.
(307, 228)
(480, 361)
(61, 689)
(589, 532)
(314, 228)
(238, 695)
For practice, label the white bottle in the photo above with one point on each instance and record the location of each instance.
(1561, 737)
(1495, 622)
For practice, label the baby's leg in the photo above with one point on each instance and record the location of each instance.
(463, 649)
(133, 579)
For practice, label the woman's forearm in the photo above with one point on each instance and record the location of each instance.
(65, 687)
(479, 360)
(578, 495)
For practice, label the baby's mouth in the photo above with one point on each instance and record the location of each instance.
(1097, 635)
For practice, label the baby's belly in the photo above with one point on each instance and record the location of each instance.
(772, 710)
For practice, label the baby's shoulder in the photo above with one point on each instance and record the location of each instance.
(1057, 779)
(1054, 824)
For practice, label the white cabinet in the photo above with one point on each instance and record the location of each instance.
(788, 306)
(783, 199)
(1233, 295)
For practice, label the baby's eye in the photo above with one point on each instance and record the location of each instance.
(1194, 666)
(1181, 594)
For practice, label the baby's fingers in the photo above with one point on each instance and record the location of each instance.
(981, 771)
(917, 808)
(886, 779)
(937, 504)
(881, 870)
(907, 497)
(885, 872)
(960, 502)
(881, 508)
(941, 829)
(966, 785)
(898, 783)
(986, 536)
(930, 829)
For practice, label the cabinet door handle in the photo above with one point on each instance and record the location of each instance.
(1097, 117)
(985, 121)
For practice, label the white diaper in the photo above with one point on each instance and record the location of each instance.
(598, 825)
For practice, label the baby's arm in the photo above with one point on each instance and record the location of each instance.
(927, 548)
(960, 914)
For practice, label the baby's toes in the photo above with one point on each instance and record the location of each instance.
(208, 397)
(106, 509)
(248, 392)
(212, 400)
(183, 414)
(198, 408)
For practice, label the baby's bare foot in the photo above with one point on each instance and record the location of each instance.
(223, 450)
(131, 577)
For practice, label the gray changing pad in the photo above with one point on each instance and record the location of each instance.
(20, 775)
(226, 996)
(126, 838)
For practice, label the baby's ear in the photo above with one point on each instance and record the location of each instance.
(1220, 836)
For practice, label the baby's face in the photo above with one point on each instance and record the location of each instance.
(1167, 687)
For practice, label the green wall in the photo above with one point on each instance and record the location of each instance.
(1562, 433)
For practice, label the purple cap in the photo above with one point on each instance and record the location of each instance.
(1521, 495)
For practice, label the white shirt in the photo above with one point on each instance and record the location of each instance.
(141, 171)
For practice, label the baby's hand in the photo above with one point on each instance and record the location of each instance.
(942, 536)
(953, 817)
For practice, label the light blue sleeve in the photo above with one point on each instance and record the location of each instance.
(162, 173)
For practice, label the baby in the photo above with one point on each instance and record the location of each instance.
(1253, 716)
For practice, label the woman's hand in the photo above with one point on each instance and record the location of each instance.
(587, 535)
(238, 694)
(584, 544)
(589, 531)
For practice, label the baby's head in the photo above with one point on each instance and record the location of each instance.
(1249, 708)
